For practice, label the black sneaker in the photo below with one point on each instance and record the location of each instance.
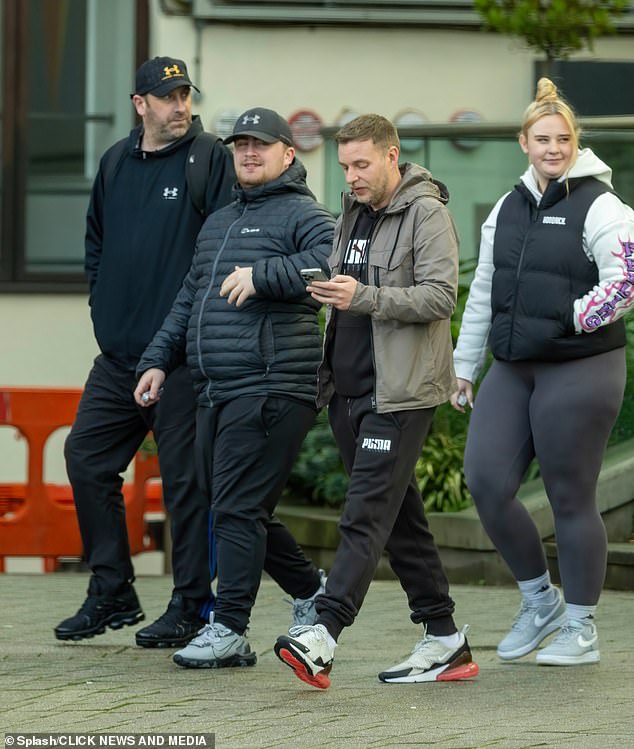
(176, 627)
(101, 610)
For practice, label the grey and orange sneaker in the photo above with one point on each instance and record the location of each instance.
(432, 660)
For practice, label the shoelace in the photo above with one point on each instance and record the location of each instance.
(526, 612)
(428, 642)
(209, 633)
(432, 642)
(568, 631)
(313, 633)
(301, 606)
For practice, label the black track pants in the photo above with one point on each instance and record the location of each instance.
(108, 430)
(562, 413)
(245, 451)
(383, 510)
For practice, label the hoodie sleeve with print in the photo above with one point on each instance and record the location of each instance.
(608, 238)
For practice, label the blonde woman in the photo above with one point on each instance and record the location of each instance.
(554, 277)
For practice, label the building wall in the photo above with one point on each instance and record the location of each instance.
(47, 340)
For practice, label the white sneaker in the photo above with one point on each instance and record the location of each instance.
(306, 649)
(432, 660)
(216, 646)
(532, 624)
(304, 612)
(576, 643)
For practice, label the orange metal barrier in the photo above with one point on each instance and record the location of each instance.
(38, 519)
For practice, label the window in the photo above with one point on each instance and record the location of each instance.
(419, 12)
(65, 101)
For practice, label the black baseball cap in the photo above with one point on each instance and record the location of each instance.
(160, 75)
(264, 124)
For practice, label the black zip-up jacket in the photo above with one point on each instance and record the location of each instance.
(270, 345)
(540, 269)
(141, 231)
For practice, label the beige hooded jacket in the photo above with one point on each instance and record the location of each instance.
(411, 295)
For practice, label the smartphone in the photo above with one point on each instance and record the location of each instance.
(313, 274)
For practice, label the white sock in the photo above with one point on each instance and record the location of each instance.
(449, 641)
(537, 589)
(580, 613)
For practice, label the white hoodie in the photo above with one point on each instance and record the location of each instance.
(608, 240)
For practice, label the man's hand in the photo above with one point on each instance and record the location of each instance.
(149, 385)
(238, 285)
(338, 291)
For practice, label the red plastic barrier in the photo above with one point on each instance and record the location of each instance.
(38, 519)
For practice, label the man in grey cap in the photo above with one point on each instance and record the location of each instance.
(251, 337)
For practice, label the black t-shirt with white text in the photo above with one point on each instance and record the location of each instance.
(350, 352)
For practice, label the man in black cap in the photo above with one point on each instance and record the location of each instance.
(141, 231)
(251, 337)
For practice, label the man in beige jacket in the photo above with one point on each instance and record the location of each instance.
(387, 365)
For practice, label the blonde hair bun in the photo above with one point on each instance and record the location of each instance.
(546, 91)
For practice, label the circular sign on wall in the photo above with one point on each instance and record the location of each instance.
(306, 129)
(224, 121)
(346, 116)
(466, 115)
(409, 118)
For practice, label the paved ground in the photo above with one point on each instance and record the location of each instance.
(108, 685)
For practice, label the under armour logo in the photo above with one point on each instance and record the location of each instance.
(171, 72)
(254, 118)
(170, 193)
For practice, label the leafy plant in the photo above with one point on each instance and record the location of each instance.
(318, 476)
(624, 427)
(556, 28)
(440, 475)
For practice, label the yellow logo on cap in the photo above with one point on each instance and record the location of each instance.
(173, 72)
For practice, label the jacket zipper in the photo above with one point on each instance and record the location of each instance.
(206, 296)
(517, 279)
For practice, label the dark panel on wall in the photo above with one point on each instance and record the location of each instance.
(595, 89)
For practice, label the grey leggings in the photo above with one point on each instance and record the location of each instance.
(562, 413)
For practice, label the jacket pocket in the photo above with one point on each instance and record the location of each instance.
(266, 338)
(395, 265)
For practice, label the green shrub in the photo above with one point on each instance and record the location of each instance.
(440, 475)
(318, 476)
(624, 427)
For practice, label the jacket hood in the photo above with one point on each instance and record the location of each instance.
(292, 180)
(134, 140)
(586, 165)
(416, 182)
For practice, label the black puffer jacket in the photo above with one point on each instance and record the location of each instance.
(271, 344)
(540, 269)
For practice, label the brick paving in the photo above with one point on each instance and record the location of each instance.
(107, 684)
